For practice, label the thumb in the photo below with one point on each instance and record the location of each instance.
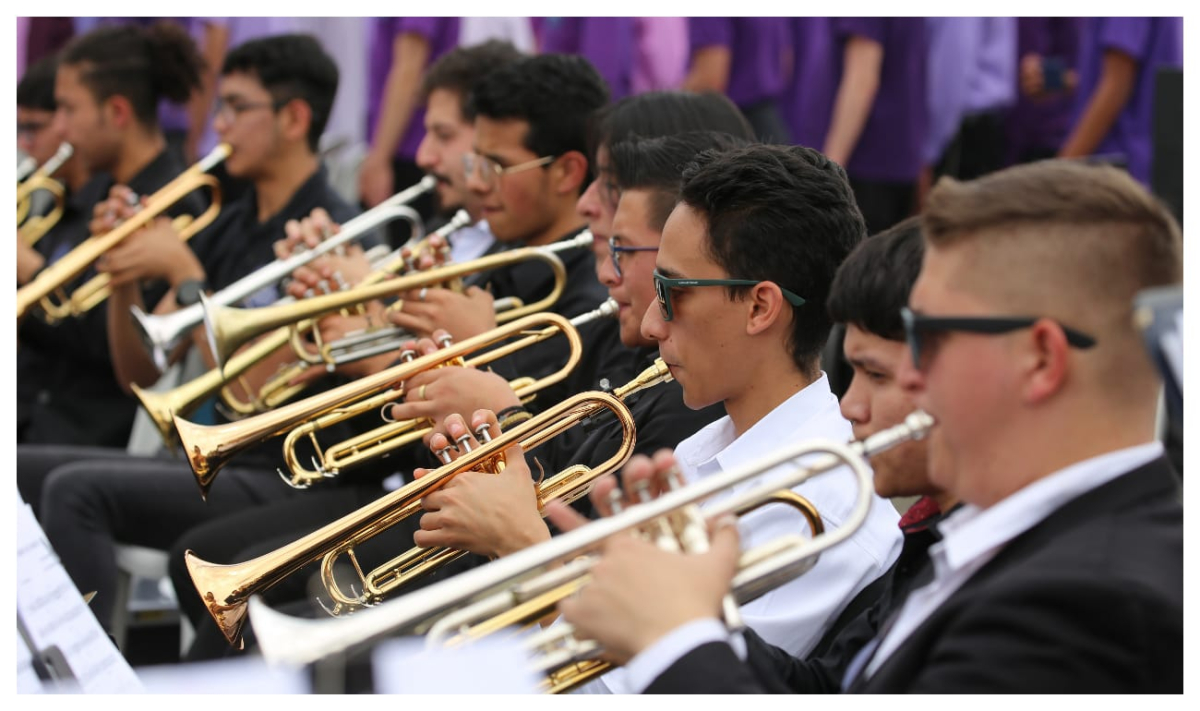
(564, 517)
(725, 542)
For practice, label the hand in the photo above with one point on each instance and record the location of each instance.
(638, 593)
(642, 479)
(462, 315)
(1032, 83)
(337, 326)
(436, 394)
(153, 252)
(375, 179)
(29, 262)
(488, 514)
(114, 210)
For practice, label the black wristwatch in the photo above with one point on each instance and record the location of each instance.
(188, 292)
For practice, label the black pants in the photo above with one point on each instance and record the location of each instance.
(883, 204)
(767, 122)
(978, 148)
(92, 500)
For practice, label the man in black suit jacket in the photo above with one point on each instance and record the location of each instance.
(1063, 570)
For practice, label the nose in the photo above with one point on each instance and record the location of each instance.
(653, 325)
(59, 124)
(221, 123)
(909, 377)
(605, 271)
(426, 157)
(588, 204)
(854, 403)
(476, 184)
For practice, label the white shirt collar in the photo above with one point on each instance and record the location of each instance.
(715, 448)
(971, 532)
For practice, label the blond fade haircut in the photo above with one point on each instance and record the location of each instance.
(1062, 239)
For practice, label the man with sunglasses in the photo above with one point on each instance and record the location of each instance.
(1062, 572)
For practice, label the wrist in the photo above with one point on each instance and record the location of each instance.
(536, 532)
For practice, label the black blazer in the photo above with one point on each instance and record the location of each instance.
(1088, 601)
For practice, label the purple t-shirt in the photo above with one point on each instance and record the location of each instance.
(1154, 43)
(889, 148)
(1042, 124)
(606, 42)
(808, 101)
(442, 33)
(756, 45)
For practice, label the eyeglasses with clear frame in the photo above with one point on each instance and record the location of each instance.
(615, 249)
(489, 171)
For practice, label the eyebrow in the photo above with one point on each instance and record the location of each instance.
(667, 272)
(869, 363)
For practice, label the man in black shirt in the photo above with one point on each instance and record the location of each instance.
(274, 99)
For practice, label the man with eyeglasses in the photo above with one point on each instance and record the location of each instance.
(274, 98)
(1063, 570)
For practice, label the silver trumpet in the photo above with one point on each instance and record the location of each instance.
(448, 608)
(161, 334)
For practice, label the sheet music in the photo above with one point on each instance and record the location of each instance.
(497, 666)
(243, 675)
(27, 679)
(55, 615)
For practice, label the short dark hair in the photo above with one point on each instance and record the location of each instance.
(783, 214)
(557, 94)
(142, 64)
(461, 68)
(36, 88)
(655, 164)
(665, 113)
(874, 282)
(290, 67)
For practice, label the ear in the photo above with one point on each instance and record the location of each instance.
(764, 307)
(118, 111)
(570, 170)
(297, 118)
(1045, 363)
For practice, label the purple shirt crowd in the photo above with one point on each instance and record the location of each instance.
(935, 73)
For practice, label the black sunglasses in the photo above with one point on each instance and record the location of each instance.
(663, 286)
(916, 324)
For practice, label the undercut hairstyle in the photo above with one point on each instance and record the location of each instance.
(556, 94)
(874, 282)
(783, 214)
(142, 64)
(666, 113)
(290, 67)
(1069, 241)
(656, 164)
(461, 68)
(36, 88)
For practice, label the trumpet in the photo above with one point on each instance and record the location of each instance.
(229, 328)
(393, 435)
(55, 277)
(161, 334)
(507, 582)
(226, 588)
(210, 447)
(31, 229)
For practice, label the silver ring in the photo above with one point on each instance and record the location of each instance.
(424, 291)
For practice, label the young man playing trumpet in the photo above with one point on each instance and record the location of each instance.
(275, 95)
(747, 308)
(1063, 570)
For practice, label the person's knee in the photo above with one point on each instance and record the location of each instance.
(70, 490)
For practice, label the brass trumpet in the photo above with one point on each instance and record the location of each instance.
(208, 448)
(226, 588)
(160, 334)
(229, 328)
(503, 584)
(391, 436)
(31, 229)
(54, 278)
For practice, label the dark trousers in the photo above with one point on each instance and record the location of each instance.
(767, 122)
(88, 505)
(883, 204)
(978, 148)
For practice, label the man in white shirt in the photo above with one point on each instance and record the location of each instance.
(1063, 571)
(742, 273)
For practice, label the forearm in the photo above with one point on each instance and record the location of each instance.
(400, 94)
(855, 97)
(710, 70)
(132, 364)
(1103, 108)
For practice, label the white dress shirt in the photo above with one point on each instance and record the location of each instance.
(972, 536)
(794, 616)
(470, 242)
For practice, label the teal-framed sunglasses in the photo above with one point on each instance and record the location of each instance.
(663, 286)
